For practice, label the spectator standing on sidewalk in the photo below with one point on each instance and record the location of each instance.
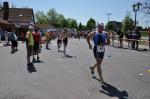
(0, 33)
(47, 39)
(135, 36)
(128, 35)
(6, 37)
(14, 42)
(0, 37)
(120, 34)
(149, 37)
(112, 36)
(22, 37)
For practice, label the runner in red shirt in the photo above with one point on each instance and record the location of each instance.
(37, 44)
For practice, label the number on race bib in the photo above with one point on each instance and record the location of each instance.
(100, 49)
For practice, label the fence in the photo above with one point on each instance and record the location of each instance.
(143, 43)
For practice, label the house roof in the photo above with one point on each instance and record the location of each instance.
(19, 15)
(4, 23)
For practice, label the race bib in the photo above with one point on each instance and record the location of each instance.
(100, 49)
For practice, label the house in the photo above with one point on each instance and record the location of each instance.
(4, 24)
(21, 18)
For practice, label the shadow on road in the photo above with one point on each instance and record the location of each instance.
(113, 91)
(60, 51)
(48, 49)
(94, 77)
(13, 51)
(120, 47)
(142, 49)
(37, 61)
(68, 56)
(31, 68)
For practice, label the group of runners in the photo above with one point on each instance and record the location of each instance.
(34, 44)
(99, 37)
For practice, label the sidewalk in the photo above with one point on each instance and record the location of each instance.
(125, 45)
(1, 44)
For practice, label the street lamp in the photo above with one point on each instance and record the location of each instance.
(136, 8)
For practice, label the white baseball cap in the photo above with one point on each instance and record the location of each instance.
(31, 27)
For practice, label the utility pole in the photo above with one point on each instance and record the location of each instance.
(136, 8)
(108, 14)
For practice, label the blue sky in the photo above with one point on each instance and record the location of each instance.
(82, 10)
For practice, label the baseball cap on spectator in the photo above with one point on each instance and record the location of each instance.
(31, 27)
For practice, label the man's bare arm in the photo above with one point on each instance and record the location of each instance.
(88, 39)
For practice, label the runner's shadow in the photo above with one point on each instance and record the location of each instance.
(113, 91)
(125, 48)
(60, 51)
(142, 49)
(48, 49)
(14, 51)
(38, 61)
(94, 77)
(31, 68)
(68, 56)
(120, 47)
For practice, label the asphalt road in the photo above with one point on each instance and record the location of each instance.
(68, 77)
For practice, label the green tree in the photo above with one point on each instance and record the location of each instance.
(110, 26)
(113, 25)
(91, 24)
(40, 17)
(72, 23)
(52, 16)
(128, 23)
(64, 23)
(61, 21)
(80, 27)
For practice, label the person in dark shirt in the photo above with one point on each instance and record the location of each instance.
(149, 37)
(120, 34)
(135, 36)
